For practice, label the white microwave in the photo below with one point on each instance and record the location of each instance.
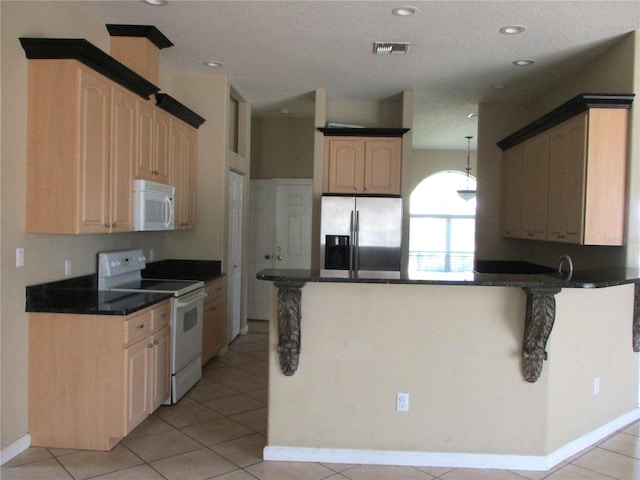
(153, 206)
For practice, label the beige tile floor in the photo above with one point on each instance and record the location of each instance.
(219, 430)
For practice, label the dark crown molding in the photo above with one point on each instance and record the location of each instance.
(150, 32)
(91, 56)
(571, 108)
(178, 110)
(363, 132)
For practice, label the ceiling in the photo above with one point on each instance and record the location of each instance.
(277, 52)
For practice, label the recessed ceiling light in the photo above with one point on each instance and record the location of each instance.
(513, 29)
(498, 87)
(156, 3)
(213, 64)
(404, 11)
(523, 63)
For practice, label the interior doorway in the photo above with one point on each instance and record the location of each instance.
(280, 234)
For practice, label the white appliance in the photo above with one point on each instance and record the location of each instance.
(153, 206)
(120, 272)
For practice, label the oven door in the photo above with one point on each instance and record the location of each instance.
(187, 330)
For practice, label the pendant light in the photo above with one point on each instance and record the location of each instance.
(467, 194)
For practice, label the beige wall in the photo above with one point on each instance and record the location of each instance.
(612, 72)
(45, 254)
(460, 364)
(282, 147)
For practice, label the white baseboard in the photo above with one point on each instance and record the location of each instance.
(454, 460)
(15, 449)
(244, 330)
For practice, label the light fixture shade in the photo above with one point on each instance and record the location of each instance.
(467, 195)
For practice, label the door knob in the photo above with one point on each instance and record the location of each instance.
(279, 257)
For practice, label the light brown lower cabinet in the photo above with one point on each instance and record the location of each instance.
(94, 378)
(214, 331)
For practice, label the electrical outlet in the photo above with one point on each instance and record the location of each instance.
(67, 268)
(596, 385)
(19, 257)
(402, 402)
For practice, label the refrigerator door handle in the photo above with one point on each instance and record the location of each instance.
(356, 242)
(351, 242)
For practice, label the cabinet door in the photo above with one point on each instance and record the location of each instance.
(511, 191)
(183, 164)
(606, 177)
(219, 331)
(162, 166)
(344, 165)
(94, 153)
(160, 378)
(189, 198)
(567, 176)
(144, 164)
(214, 333)
(535, 167)
(137, 363)
(382, 166)
(123, 155)
(207, 332)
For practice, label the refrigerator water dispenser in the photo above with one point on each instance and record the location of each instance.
(336, 252)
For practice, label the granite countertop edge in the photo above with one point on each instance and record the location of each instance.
(595, 278)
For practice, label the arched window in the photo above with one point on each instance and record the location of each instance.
(442, 228)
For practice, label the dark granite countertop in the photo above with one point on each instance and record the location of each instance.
(80, 295)
(596, 278)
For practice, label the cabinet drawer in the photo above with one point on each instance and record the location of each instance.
(161, 316)
(137, 327)
(215, 290)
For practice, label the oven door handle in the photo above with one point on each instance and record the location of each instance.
(191, 298)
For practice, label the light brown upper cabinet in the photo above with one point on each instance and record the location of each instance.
(153, 161)
(535, 177)
(82, 142)
(183, 161)
(91, 129)
(511, 191)
(564, 175)
(362, 165)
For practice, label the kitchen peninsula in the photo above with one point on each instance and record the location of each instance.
(341, 349)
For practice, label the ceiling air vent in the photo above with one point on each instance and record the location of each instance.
(391, 47)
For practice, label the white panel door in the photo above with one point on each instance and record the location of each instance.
(234, 253)
(293, 223)
(260, 246)
(280, 234)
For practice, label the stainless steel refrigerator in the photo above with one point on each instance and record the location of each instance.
(360, 234)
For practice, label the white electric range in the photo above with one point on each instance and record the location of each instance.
(120, 273)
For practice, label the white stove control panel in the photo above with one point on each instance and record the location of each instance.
(119, 267)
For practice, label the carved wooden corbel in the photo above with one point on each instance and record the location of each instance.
(539, 319)
(636, 318)
(289, 300)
